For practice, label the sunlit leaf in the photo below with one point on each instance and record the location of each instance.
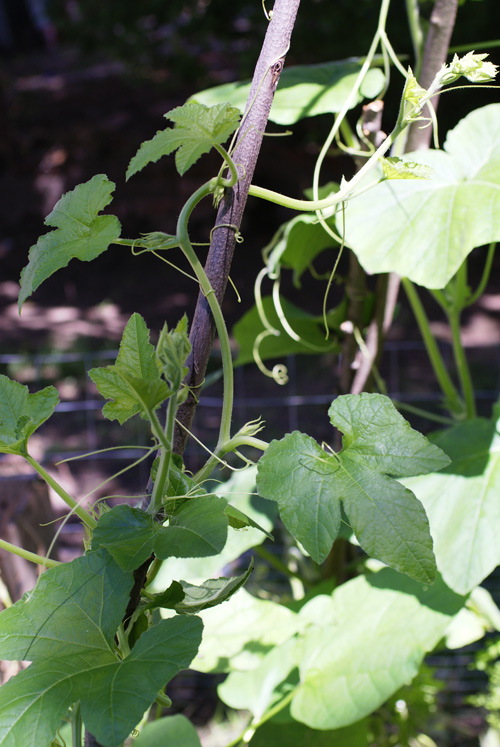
(462, 503)
(197, 128)
(303, 90)
(425, 229)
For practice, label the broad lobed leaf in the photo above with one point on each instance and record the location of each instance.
(353, 648)
(66, 626)
(377, 434)
(309, 484)
(80, 233)
(424, 230)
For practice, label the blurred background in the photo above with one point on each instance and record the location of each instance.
(82, 84)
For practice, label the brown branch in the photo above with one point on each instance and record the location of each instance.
(220, 255)
(437, 43)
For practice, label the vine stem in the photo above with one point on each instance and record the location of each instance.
(342, 195)
(252, 728)
(31, 556)
(447, 386)
(165, 457)
(78, 510)
(459, 301)
(209, 293)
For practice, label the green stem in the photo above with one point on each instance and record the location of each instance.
(459, 302)
(207, 290)
(75, 507)
(122, 641)
(31, 556)
(485, 276)
(445, 382)
(416, 33)
(252, 728)
(165, 457)
(76, 725)
(231, 166)
(341, 196)
(154, 569)
(462, 364)
(230, 446)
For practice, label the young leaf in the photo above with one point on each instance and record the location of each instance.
(80, 233)
(308, 484)
(196, 130)
(66, 626)
(171, 352)
(21, 413)
(133, 382)
(396, 168)
(188, 599)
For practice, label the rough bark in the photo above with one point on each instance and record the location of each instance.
(218, 263)
(441, 26)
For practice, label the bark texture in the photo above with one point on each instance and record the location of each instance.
(220, 254)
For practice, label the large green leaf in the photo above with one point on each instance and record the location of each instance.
(309, 483)
(21, 413)
(198, 529)
(81, 233)
(197, 129)
(133, 382)
(303, 90)
(66, 626)
(364, 642)
(463, 505)
(424, 230)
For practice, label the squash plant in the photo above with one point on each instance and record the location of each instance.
(425, 508)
